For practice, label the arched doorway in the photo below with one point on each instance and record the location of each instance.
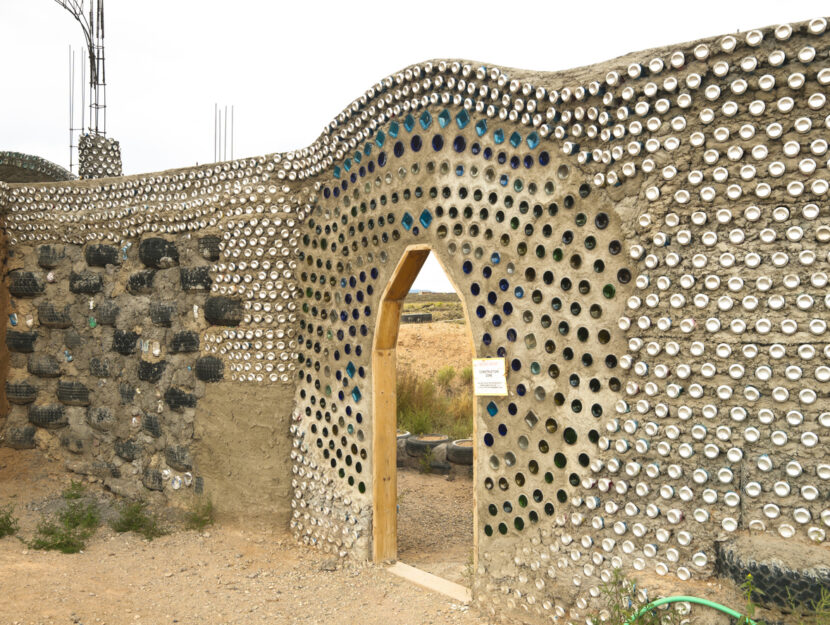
(384, 404)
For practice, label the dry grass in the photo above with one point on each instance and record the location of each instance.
(425, 407)
(441, 311)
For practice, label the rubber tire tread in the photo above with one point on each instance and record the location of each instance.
(20, 393)
(778, 585)
(417, 447)
(459, 455)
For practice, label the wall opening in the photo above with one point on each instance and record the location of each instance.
(425, 492)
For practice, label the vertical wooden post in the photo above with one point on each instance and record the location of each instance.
(384, 406)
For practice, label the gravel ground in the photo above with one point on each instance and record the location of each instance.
(435, 524)
(229, 574)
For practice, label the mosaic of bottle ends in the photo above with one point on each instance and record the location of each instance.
(647, 250)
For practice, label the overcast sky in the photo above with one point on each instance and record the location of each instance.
(289, 67)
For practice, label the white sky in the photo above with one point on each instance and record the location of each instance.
(290, 67)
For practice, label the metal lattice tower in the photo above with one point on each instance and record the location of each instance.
(92, 24)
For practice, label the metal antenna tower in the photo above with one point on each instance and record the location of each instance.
(92, 25)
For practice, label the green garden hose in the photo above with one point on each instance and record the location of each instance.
(698, 600)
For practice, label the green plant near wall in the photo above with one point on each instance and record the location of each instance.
(8, 522)
(133, 516)
(74, 523)
(200, 514)
(426, 461)
(619, 603)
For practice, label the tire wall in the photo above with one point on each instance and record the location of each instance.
(133, 358)
(4, 312)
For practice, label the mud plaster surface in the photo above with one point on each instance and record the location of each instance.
(243, 450)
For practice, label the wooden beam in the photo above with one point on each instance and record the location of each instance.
(384, 456)
(407, 270)
(431, 582)
(384, 408)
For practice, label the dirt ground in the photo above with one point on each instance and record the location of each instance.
(435, 524)
(232, 573)
(424, 348)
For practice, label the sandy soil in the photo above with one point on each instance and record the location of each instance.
(230, 574)
(424, 348)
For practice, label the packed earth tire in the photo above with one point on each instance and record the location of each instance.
(47, 416)
(209, 369)
(73, 393)
(141, 282)
(44, 366)
(101, 255)
(20, 392)
(184, 342)
(785, 580)
(195, 278)
(101, 418)
(223, 311)
(419, 445)
(209, 247)
(50, 316)
(177, 399)
(21, 342)
(460, 451)
(49, 256)
(127, 393)
(158, 253)
(86, 282)
(151, 371)
(25, 284)
(161, 314)
(124, 342)
(20, 438)
(107, 313)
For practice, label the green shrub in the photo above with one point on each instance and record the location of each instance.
(51, 535)
(76, 521)
(818, 613)
(620, 603)
(415, 421)
(426, 461)
(79, 514)
(424, 409)
(467, 375)
(445, 376)
(134, 517)
(200, 515)
(75, 490)
(8, 522)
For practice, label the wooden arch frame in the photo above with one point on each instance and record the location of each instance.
(384, 404)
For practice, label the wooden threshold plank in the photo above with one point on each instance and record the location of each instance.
(431, 582)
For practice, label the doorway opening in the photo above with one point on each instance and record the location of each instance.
(423, 488)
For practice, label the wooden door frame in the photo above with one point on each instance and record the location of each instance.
(384, 404)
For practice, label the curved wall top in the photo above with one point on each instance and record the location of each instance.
(17, 167)
(644, 241)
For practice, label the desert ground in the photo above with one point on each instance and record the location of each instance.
(235, 571)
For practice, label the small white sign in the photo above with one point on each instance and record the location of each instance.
(489, 377)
